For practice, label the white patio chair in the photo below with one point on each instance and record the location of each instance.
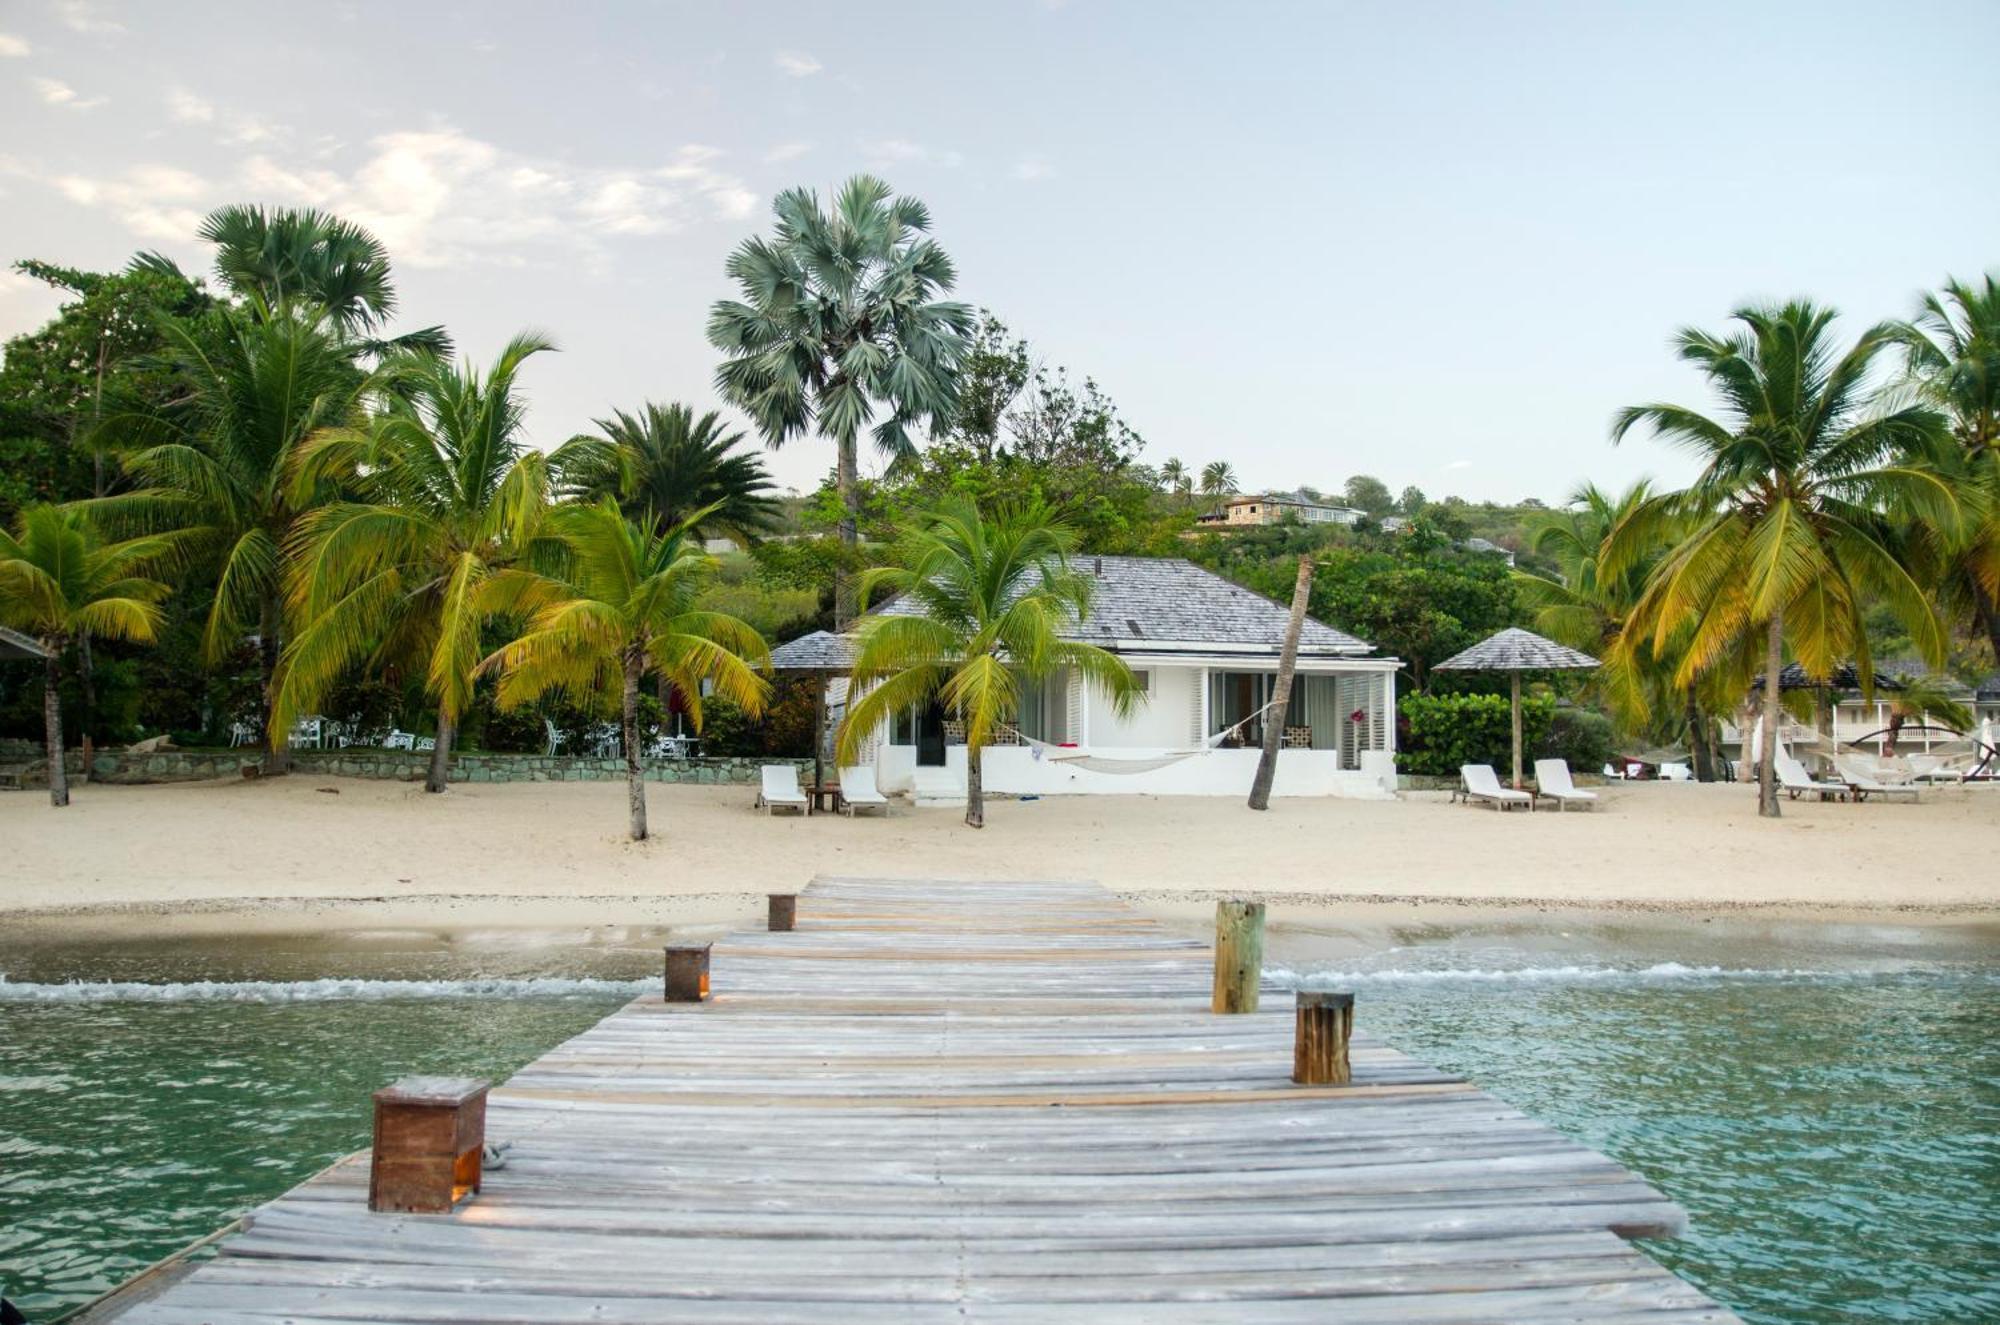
(399, 740)
(1863, 782)
(309, 732)
(243, 733)
(1478, 782)
(1792, 776)
(781, 790)
(858, 791)
(555, 738)
(1553, 782)
(425, 744)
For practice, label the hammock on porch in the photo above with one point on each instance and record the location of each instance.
(1104, 763)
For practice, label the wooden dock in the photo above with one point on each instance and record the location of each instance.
(969, 1102)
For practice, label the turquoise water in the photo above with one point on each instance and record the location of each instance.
(1826, 1105)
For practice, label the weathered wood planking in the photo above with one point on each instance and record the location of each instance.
(954, 1101)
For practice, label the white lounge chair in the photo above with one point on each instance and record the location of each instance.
(858, 791)
(1863, 783)
(1552, 782)
(1478, 782)
(781, 789)
(1792, 776)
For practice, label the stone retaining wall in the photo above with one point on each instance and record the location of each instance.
(127, 766)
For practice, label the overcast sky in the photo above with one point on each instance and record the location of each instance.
(1439, 243)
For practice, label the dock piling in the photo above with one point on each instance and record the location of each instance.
(1239, 955)
(784, 912)
(430, 1133)
(1324, 1023)
(687, 974)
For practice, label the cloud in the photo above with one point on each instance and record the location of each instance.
(188, 108)
(797, 64)
(11, 45)
(787, 152)
(1033, 167)
(899, 151)
(1457, 465)
(153, 201)
(58, 93)
(81, 16)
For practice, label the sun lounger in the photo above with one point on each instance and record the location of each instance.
(1863, 783)
(781, 789)
(1552, 782)
(1792, 776)
(858, 791)
(1478, 782)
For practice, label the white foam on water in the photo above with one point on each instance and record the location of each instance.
(1658, 973)
(307, 991)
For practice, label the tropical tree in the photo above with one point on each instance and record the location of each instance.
(1174, 477)
(217, 464)
(1953, 349)
(664, 465)
(1922, 698)
(1787, 530)
(61, 583)
(994, 596)
(445, 493)
(1218, 479)
(840, 327)
(623, 604)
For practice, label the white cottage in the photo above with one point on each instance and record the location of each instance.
(1206, 654)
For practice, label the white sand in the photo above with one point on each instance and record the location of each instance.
(289, 854)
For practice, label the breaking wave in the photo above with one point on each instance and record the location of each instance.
(1658, 973)
(308, 991)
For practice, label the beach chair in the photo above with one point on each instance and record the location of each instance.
(1478, 782)
(858, 791)
(1552, 782)
(1792, 776)
(781, 789)
(1862, 783)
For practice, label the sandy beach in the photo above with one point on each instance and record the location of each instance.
(304, 854)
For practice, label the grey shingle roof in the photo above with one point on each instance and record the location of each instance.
(817, 652)
(1516, 650)
(1166, 601)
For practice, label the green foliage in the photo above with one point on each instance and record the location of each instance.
(1442, 732)
(1367, 493)
(1583, 737)
(783, 732)
(664, 466)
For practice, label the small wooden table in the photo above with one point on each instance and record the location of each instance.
(817, 794)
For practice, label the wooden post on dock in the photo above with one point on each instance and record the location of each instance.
(1239, 955)
(784, 912)
(430, 1135)
(687, 974)
(1319, 1041)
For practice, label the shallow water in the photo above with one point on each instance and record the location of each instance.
(1825, 1101)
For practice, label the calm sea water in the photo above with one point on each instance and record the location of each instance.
(1826, 1104)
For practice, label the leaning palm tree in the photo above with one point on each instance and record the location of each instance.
(1953, 350)
(994, 596)
(61, 583)
(447, 493)
(1218, 479)
(1788, 529)
(622, 605)
(840, 327)
(663, 465)
(216, 466)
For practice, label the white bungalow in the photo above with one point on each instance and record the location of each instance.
(1206, 653)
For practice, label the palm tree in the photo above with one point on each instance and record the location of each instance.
(448, 493)
(995, 596)
(840, 321)
(61, 583)
(1218, 479)
(623, 604)
(1787, 529)
(217, 465)
(664, 465)
(1925, 697)
(1173, 474)
(1953, 350)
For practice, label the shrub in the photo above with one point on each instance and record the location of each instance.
(1445, 731)
(1583, 737)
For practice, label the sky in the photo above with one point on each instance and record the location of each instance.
(1439, 243)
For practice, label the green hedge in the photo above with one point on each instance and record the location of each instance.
(1445, 731)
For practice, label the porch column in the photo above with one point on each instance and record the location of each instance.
(1201, 708)
(1385, 687)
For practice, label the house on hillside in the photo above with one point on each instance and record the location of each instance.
(1206, 654)
(1271, 508)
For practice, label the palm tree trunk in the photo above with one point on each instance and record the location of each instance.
(975, 789)
(439, 776)
(847, 479)
(86, 673)
(1767, 765)
(1281, 697)
(277, 744)
(52, 724)
(635, 773)
(1698, 742)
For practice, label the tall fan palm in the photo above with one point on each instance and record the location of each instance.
(623, 605)
(664, 465)
(216, 465)
(1787, 530)
(448, 494)
(1174, 477)
(1953, 349)
(995, 595)
(63, 584)
(840, 327)
(1218, 479)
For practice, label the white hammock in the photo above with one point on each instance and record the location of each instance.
(1104, 763)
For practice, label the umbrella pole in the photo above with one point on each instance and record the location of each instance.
(819, 732)
(1517, 731)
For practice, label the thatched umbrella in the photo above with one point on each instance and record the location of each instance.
(823, 655)
(1516, 651)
